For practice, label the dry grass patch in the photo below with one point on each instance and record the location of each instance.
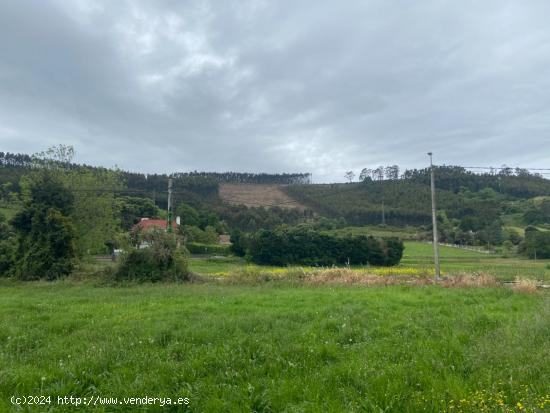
(525, 285)
(465, 280)
(347, 276)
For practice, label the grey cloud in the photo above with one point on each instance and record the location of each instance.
(277, 86)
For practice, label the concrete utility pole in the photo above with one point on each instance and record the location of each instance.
(169, 221)
(434, 220)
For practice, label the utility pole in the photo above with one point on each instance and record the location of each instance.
(169, 221)
(383, 214)
(434, 220)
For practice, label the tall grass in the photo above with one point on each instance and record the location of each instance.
(278, 347)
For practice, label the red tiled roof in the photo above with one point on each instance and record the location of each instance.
(224, 239)
(147, 223)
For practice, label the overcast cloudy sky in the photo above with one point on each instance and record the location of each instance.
(274, 86)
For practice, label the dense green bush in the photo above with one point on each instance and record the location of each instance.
(536, 244)
(45, 234)
(250, 219)
(238, 243)
(198, 248)
(7, 247)
(537, 212)
(303, 245)
(131, 209)
(6, 258)
(195, 234)
(162, 260)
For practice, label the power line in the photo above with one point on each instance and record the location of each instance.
(504, 167)
(114, 190)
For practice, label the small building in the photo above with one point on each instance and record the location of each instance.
(224, 239)
(148, 223)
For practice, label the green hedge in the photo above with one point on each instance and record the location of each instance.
(198, 248)
(537, 243)
(303, 245)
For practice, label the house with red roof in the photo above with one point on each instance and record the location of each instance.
(224, 239)
(148, 223)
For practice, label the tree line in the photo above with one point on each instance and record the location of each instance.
(471, 215)
(304, 245)
(516, 182)
(251, 177)
(66, 214)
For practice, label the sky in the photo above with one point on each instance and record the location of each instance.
(277, 86)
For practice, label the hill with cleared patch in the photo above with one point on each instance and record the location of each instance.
(473, 208)
(257, 195)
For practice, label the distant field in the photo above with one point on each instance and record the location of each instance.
(425, 250)
(257, 195)
(417, 260)
(454, 260)
(276, 348)
(405, 233)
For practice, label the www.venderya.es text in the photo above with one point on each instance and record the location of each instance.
(98, 401)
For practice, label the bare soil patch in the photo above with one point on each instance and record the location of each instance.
(257, 195)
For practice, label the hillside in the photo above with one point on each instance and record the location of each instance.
(406, 201)
(257, 195)
(474, 208)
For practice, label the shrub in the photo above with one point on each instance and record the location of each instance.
(199, 248)
(303, 245)
(537, 243)
(7, 251)
(163, 260)
(195, 234)
(238, 243)
(44, 232)
(48, 250)
(394, 251)
(7, 247)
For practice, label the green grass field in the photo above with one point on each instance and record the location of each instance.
(418, 256)
(274, 348)
(455, 260)
(405, 233)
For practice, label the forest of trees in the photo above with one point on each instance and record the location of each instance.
(516, 182)
(65, 213)
(471, 205)
(250, 177)
(139, 195)
(19, 160)
(193, 187)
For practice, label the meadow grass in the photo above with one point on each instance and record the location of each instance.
(417, 260)
(425, 249)
(406, 233)
(456, 260)
(275, 347)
